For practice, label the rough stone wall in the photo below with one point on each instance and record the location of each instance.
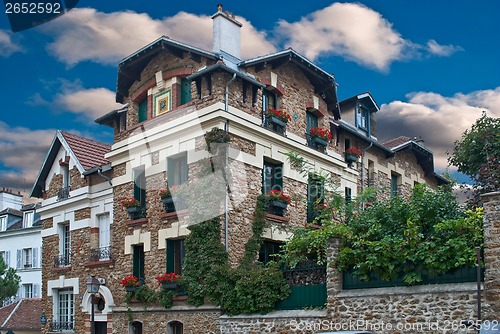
(155, 319)
(75, 179)
(55, 185)
(491, 204)
(82, 214)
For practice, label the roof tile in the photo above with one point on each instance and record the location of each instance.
(90, 153)
(24, 315)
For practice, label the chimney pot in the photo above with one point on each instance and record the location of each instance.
(226, 12)
(232, 15)
(219, 7)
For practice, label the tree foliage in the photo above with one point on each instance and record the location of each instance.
(9, 281)
(477, 153)
(399, 237)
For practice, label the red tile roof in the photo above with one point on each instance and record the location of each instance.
(397, 141)
(90, 153)
(22, 315)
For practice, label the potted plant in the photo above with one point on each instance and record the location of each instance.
(131, 204)
(352, 154)
(168, 281)
(278, 201)
(278, 117)
(131, 283)
(320, 136)
(166, 196)
(216, 136)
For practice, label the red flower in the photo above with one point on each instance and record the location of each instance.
(129, 281)
(354, 151)
(283, 115)
(168, 278)
(168, 192)
(130, 202)
(276, 195)
(320, 132)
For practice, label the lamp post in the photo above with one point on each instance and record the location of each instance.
(92, 288)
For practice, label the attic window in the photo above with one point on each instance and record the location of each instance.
(3, 223)
(363, 118)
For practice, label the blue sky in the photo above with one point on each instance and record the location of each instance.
(432, 66)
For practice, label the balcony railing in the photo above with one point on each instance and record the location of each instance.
(63, 193)
(62, 260)
(28, 266)
(100, 254)
(58, 326)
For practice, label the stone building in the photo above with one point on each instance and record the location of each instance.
(172, 95)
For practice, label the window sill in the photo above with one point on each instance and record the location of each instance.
(174, 215)
(139, 221)
(277, 219)
(96, 264)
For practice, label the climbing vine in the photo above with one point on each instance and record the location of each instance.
(248, 288)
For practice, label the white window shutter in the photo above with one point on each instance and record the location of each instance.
(36, 291)
(19, 258)
(40, 257)
(19, 293)
(7, 258)
(34, 255)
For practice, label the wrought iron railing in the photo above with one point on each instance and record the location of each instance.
(63, 260)
(63, 193)
(100, 254)
(59, 326)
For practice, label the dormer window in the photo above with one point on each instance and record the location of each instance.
(363, 118)
(3, 223)
(270, 100)
(28, 219)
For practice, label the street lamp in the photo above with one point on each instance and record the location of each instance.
(92, 288)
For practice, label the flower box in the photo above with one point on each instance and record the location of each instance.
(130, 289)
(319, 141)
(277, 121)
(350, 158)
(169, 286)
(278, 204)
(133, 209)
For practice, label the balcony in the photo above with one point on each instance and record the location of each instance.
(63, 193)
(100, 254)
(56, 326)
(62, 260)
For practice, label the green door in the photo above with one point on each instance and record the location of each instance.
(143, 110)
(185, 91)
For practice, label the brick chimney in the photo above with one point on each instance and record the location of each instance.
(226, 33)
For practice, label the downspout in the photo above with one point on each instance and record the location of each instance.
(226, 128)
(363, 170)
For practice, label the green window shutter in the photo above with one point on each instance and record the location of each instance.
(311, 121)
(140, 186)
(138, 261)
(185, 91)
(143, 110)
(170, 256)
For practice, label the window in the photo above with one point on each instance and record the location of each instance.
(64, 312)
(135, 327)
(348, 195)
(185, 91)
(175, 327)
(311, 121)
(3, 223)
(142, 113)
(267, 250)
(140, 185)
(363, 118)
(177, 170)
(175, 255)
(64, 191)
(315, 193)
(138, 262)
(28, 258)
(28, 291)
(104, 251)
(395, 180)
(5, 255)
(28, 219)
(272, 177)
(269, 100)
(64, 258)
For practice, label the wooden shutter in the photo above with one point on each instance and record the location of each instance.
(185, 91)
(19, 258)
(143, 110)
(34, 257)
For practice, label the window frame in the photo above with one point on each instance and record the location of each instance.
(176, 253)
(276, 178)
(177, 170)
(28, 218)
(68, 316)
(138, 260)
(31, 292)
(313, 182)
(3, 223)
(268, 249)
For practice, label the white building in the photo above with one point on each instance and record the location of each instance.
(21, 243)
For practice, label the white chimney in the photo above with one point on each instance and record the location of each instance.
(226, 33)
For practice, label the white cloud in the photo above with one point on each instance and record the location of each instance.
(85, 34)
(7, 45)
(442, 50)
(22, 152)
(355, 32)
(438, 119)
(92, 102)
